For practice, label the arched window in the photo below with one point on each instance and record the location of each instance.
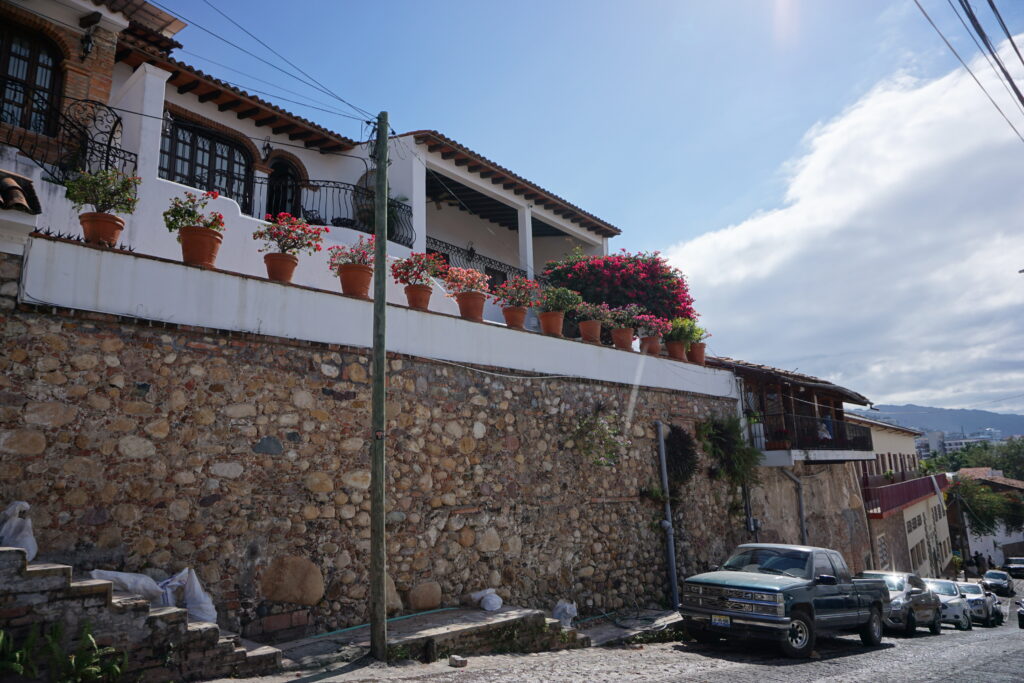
(202, 158)
(29, 80)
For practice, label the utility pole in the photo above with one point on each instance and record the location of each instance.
(378, 546)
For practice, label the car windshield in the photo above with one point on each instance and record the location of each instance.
(770, 561)
(1015, 560)
(971, 588)
(995, 575)
(943, 587)
(894, 583)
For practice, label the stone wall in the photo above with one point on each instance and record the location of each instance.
(833, 506)
(146, 447)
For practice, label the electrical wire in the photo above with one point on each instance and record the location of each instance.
(962, 62)
(988, 59)
(1009, 36)
(980, 30)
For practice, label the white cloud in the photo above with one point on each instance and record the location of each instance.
(892, 268)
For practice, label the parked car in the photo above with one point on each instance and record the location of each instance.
(954, 605)
(912, 604)
(998, 582)
(1014, 566)
(787, 593)
(983, 604)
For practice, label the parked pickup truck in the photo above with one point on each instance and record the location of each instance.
(787, 593)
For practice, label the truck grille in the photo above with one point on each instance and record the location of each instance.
(733, 600)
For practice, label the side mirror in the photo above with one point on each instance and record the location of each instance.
(714, 568)
(827, 580)
(916, 591)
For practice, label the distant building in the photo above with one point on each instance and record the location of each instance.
(999, 545)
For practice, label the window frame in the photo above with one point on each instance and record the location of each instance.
(48, 95)
(198, 167)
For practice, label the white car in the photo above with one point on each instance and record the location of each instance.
(954, 607)
(983, 605)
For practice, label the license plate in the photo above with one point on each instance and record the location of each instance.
(720, 620)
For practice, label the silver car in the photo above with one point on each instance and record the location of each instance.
(913, 603)
(954, 606)
(983, 605)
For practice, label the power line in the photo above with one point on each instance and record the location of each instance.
(988, 59)
(961, 60)
(322, 87)
(999, 18)
(980, 30)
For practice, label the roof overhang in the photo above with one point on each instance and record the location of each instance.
(785, 377)
(450, 150)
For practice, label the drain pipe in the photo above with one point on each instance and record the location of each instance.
(666, 524)
(800, 503)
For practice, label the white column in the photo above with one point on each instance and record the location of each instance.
(407, 178)
(140, 104)
(526, 239)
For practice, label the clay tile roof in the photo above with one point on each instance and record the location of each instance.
(436, 142)
(798, 378)
(856, 417)
(18, 194)
(142, 12)
(974, 472)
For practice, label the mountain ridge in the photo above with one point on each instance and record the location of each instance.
(947, 420)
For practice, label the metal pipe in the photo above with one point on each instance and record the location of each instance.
(800, 503)
(666, 524)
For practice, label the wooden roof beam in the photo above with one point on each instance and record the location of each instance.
(462, 161)
(265, 120)
(121, 54)
(498, 178)
(473, 168)
(315, 142)
(277, 130)
(230, 104)
(486, 174)
(207, 96)
(300, 135)
(189, 87)
(449, 154)
(434, 147)
(246, 113)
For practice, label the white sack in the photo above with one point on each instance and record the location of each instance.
(16, 531)
(487, 599)
(137, 584)
(564, 611)
(197, 601)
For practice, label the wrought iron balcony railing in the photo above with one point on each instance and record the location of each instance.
(881, 499)
(785, 431)
(84, 135)
(329, 202)
(468, 258)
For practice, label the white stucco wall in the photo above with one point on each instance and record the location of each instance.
(79, 277)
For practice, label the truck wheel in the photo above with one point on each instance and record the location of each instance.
(990, 620)
(936, 626)
(799, 640)
(910, 627)
(970, 622)
(871, 632)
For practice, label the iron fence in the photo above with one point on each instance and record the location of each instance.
(783, 431)
(468, 258)
(84, 135)
(330, 202)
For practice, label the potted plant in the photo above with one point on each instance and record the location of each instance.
(353, 265)
(108, 192)
(779, 441)
(677, 339)
(651, 328)
(469, 288)
(623, 322)
(199, 233)
(515, 296)
(591, 317)
(695, 351)
(415, 273)
(554, 302)
(290, 235)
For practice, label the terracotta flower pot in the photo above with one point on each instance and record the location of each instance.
(471, 305)
(551, 322)
(515, 316)
(280, 267)
(622, 337)
(418, 296)
(651, 345)
(103, 229)
(199, 246)
(590, 330)
(696, 353)
(355, 279)
(676, 350)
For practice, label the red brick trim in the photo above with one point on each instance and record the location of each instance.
(257, 163)
(59, 36)
(292, 159)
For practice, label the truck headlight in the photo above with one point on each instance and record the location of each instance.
(897, 603)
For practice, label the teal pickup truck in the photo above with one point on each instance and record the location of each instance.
(787, 593)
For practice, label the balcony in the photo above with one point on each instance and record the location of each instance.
(328, 202)
(786, 438)
(880, 499)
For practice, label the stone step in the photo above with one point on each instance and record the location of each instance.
(202, 634)
(91, 591)
(167, 615)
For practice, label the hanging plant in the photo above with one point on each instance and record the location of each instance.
(597, 439)
(733, 458)
(681, 457)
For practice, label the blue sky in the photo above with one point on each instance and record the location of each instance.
(668, 118)
(841, 196)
